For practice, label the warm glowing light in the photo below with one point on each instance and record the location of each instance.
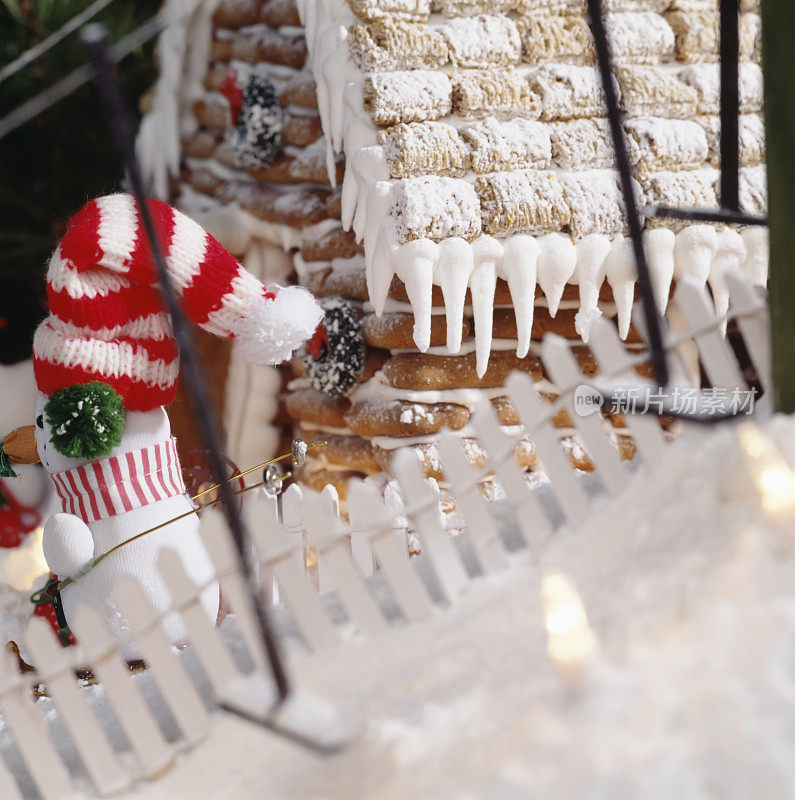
(772, 477)
(570, 640)
(24, 565)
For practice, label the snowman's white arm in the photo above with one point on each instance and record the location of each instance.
(68, 544)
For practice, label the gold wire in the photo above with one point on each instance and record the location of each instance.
(253, 469)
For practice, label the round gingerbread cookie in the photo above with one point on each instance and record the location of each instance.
(420, 371)
(277, 13)
(400, 418)
(308, 405)
(343, 450)
(236, 13)
(330, 281)
(395, 330)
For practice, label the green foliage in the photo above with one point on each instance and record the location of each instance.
(53, 164)
(86, 420)
(6, 470)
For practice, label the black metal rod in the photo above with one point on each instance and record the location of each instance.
(650, 312)
(719, 215)
(729, 105)
(95, 39)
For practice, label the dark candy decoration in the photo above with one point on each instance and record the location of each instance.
(336, 354)
(256, 139)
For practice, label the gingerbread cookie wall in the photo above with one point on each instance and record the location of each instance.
(445, 166)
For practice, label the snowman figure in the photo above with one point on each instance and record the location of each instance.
(106, 364)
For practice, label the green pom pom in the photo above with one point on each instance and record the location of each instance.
(6, 470)
(86, 420)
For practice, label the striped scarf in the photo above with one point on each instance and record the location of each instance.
(118, 484)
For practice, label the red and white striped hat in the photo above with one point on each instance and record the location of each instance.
(107, 320)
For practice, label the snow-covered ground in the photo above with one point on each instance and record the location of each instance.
(691, 694)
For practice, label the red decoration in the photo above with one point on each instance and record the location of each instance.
(318, 341)
(233, 93)
(16, 520)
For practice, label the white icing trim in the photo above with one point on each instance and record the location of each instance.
(183, 50)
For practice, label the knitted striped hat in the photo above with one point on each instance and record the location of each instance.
(107, 320)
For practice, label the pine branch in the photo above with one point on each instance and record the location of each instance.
(51, 166)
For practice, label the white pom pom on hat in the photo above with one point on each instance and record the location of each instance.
(272, 329)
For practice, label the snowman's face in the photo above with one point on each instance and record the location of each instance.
(51, 459)
(141, 428)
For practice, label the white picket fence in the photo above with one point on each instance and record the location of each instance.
(348, 555)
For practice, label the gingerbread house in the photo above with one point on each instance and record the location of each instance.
(441, 173)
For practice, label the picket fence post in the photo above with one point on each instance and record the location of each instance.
(481, 525)
(426, 520)
(753, 321)
(277, 547)
(614, 361)
(715, 355)
(234, 586)
(291, 515)
(8, 786)
(154, 754)
(325, 532)
(215, 660)
(560, 363)
(331, 505)
(30, 733)
(56, 669)
(565, 483)
(369, 513)
(530, 517)
(169, 674)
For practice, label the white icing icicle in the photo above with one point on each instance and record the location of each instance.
(659, 244)
(455, 264)
(556, 263)
(334, 69)
(757, 254)
(349, 196)
(414, 265)
(309, 21)
(319, 17)
(378, 201)
(330, 76)
(487, 252)
(381, 270)
(334, 72)
(693, 253)
(518, 269)
(326, 44)
(368, 166)
(589, 274)
(359, 134)
(730, 253)
(620, 272)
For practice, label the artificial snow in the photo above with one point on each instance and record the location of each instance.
(691, 598)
